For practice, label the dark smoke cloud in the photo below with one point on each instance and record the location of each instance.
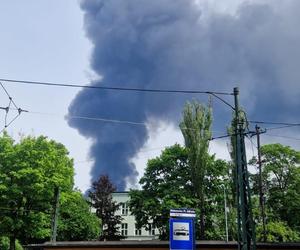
(168, 44)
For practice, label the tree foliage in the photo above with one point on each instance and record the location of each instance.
(76, 222)
(167, 184)
(102, 200)
(4, 244)
(196, 130)
(29, 171)
(281, 185)
(278, 231)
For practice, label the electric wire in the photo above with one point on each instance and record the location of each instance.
(10, 98)
(180, 91)
(105, 120)
(222, 100)
(129, 122)
(6, 113)
(284, 137)
(213, 93)
(145, 124)
(281, 127)
(8, 108)
(100, 119)
(136, 123)
(276, 123)
(220, 137)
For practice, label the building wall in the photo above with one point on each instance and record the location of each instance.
(130, 231)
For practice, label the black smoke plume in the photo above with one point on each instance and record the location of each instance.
(168, 44)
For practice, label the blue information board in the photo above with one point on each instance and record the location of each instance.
(182, 233)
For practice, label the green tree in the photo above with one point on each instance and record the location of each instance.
(29, 171)
(102, 200)
(167, 184)
(196, 130)
(281, 179)
(216, 179)
(76, 222)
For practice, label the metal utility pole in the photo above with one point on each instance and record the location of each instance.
(246, 231)
(55, 214)
(225, 212)
(261, 193)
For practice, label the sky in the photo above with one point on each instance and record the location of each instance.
(174, 44)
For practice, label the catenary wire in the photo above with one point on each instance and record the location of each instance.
(8, 108)
(142, 123)
(275, 123)
(100, 119)
(213, 93)
(281, 127)
(128, 122)
(10, 98)
(182, 91)
(282, 136)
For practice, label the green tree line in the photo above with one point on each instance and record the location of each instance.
(181, 177)
(189, 177)
(30, 170)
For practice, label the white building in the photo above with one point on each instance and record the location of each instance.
(128, 227)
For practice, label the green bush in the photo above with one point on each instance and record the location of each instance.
(278, 231)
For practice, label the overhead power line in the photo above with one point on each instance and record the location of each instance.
(284, 137)
(281, 127)
(8, 108)
(100, 119)
(71, 85)
(284, 124)
(276, 123)
(105, 120)
(182, 91)
(144, 124)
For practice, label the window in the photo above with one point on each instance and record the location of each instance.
(138, 231)
(124, 209)
(124, 229)
(151, 229)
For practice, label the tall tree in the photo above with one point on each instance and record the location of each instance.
(102, 201)
(29, 171)
(196, 129)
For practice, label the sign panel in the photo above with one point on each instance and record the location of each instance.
(182, 212)
(182, 233)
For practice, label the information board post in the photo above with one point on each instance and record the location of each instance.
(182, 229)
